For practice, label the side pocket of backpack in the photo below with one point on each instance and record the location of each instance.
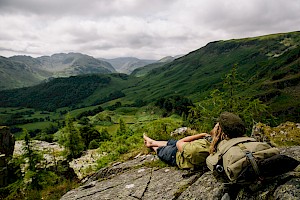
(212, 161)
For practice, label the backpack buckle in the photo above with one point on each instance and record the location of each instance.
(251, 159)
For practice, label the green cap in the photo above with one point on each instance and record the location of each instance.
(232, 125)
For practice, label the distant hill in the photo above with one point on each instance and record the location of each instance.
(16, 74)
(74, 64)
(127, 64)
(33, 70)
(142, 71)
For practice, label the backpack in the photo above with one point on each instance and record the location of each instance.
(236, 158)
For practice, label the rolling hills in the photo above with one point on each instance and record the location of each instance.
(23, 71)
(269, 67)
(258, 60)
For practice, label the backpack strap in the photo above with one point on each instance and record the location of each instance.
(251, 159)
(223, 148)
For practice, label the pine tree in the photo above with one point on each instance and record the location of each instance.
(73, 142)
(122, 129)
(33, 158)
(230, 85)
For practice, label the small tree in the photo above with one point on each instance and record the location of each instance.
(89, 133)
(230, 86)
(73, 141)
(33, 158)
(122, 128)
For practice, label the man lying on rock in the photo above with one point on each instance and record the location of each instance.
(187, 153)
(191, 152)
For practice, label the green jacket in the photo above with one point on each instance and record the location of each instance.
(193, 155)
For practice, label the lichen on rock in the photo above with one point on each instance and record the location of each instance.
(286, 134)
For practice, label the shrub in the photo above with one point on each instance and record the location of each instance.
(93, 144)
(122, 149)
(174, 104)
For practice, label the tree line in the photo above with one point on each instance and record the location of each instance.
(57, 93)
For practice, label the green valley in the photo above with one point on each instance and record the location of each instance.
(268, 66)
(256, 78)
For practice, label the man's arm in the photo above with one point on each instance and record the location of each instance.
(182, 141)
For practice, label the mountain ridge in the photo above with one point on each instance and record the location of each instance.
(26, 75)
(59, 61)
(42, 68)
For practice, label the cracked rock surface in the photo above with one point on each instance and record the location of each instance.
(143, 183)
(133, 180)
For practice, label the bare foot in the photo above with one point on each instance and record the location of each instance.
(147, 141)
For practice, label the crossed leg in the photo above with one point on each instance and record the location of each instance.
(150, 143)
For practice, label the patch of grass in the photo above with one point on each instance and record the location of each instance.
(36, 125)
(57, 191)
(156, 164)
(19, 135)
(126, 110)
(105, 160)
(76, 112)
(111, 128)
(132, 153)
(129, 119)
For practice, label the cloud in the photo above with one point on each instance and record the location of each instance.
(142, 28)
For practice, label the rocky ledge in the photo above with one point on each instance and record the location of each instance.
(136, 179)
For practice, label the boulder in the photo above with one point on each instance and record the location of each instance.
(141, 183)
(136, 179)
(7, 141)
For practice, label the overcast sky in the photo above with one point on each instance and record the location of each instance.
(140, 28)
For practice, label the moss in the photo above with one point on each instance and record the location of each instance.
(286, 134)
(156, 164)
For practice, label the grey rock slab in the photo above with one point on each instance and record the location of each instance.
(123, 186)
(206, 187)
(167, 183)
(117, 168)
(142, 183)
